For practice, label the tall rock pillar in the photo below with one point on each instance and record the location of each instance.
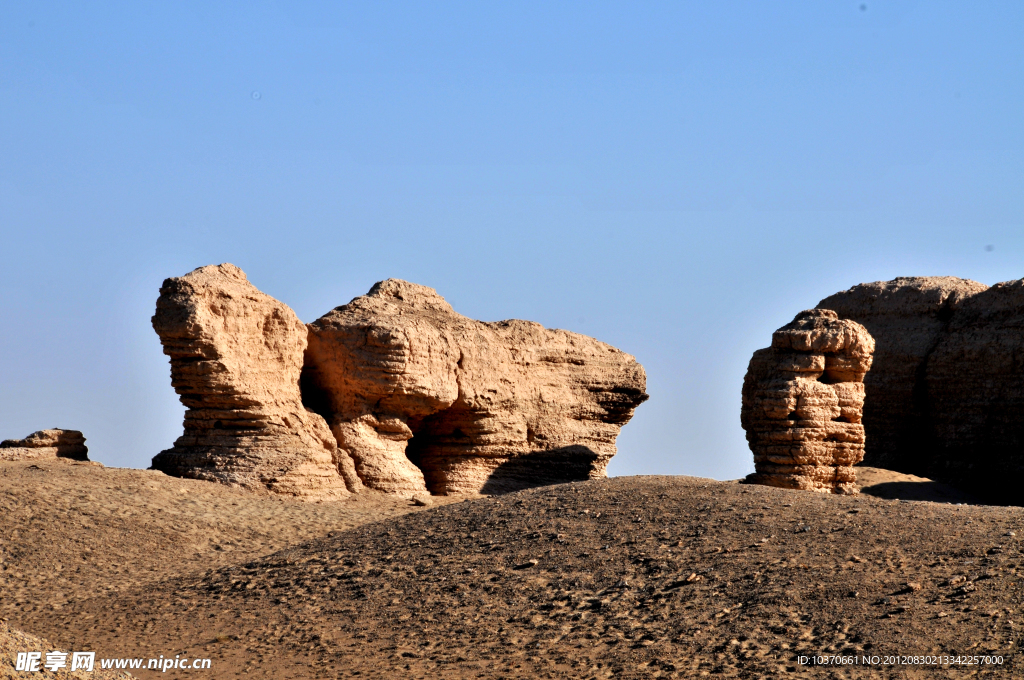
(236, 356)
(803, 399)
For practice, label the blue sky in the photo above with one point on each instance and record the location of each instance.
(677, 179)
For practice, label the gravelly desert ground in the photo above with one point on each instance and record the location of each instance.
(72, 530)
(630, 577)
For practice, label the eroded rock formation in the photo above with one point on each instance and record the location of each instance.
(945, 397)
(974, 382)
(55, 443)
(423, 398)
(418, 398)
(907, 317)
(236, 357)
(802, 403)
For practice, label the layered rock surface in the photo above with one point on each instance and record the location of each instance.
(236, 357)
(945, 397)
(423, 398)
(907, 317)
(803, 401)
(974, 382)
(418, 398)
(55, 443)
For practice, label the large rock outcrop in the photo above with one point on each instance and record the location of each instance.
(418, 397)
(236, 357)
(802, 403)
(55, 443)
(974, 385)
(945, 397)
(907, 317)
(423, 398)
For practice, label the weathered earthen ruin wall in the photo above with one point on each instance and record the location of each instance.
(945, 397)
(802, 403)
(907, 317)
(975, 387)
(236, 356)
(55, 443)
(418, 397)
(424, 398)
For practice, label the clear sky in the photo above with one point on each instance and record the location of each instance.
(677, 179)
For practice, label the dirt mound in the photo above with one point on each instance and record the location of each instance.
(76, 530)
(629, 578)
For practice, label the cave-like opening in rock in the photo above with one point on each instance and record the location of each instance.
(435, 438)
(314, 397)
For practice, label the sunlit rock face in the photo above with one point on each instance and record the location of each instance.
(236, 357)
(423, 398)
(803, 400)
(417, 397)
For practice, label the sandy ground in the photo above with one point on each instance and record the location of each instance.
(13, 641)
(633, 577)
(74, 530)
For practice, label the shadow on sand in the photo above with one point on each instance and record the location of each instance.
(541, 468)
(898, 486)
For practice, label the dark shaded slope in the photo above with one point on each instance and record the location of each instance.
(975, 383)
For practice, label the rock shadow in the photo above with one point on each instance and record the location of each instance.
(542, 468)
(893, 485)
(937, 492)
